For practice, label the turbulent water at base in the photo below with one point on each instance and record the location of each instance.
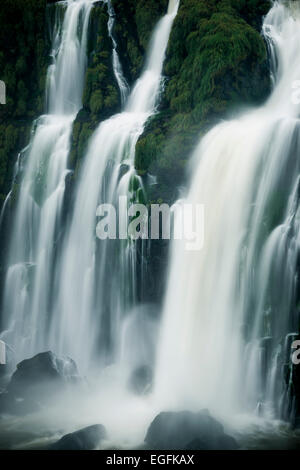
(97, 283)
(43, 167)
(230, 306)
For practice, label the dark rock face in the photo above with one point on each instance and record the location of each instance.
(266, 349)
(37, 381)
(135, 21)
(141, 380)
(216, 62)
(85, 439)
(24, 47)
(24, 50)
(44, 367)
(291, 374)
(296, 395)
(185, 430)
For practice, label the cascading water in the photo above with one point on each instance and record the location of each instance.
(31, 260)
(97, 281)
(117, 67)
(229, 306)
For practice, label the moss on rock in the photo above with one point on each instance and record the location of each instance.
(101, 95)
(135, 20)
(23, 64)
(216, 62)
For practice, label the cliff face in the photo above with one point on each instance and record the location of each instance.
(134, 23)
(216, 62)
(24, 51)
(135, 20)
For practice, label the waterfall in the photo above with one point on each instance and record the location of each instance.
(117, 67)
(43, 167)
(69, 59)
(98, 280)
(229, 306)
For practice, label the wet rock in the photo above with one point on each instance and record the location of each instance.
(37, 382)
(124, 168)
(87, 438)
(291, 375)
(188, 431)
(266, 349)
(288, 350)
(4, 401)
(2, 374)
(141, 380)
(45, 367)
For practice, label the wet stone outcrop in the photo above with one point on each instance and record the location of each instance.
(87, 438)
(38, 382)
(188, 431)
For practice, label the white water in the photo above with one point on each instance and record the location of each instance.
(31, 259)
(221, 301)
(117, 67)
(97, 282)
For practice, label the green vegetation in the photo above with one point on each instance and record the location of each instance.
(23, 65)
(135, 20)
(101, 96)
(147, 14)
(216, 62)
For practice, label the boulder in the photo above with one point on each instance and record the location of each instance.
(141, 379)
(87, 438)
(185, 430)
(37, 382)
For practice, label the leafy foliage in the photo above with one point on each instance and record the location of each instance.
(134, 23)
(216, 61)
(100, 97)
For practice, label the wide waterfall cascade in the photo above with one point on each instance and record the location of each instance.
(230, 305)
(43, 165)
(231, 309)
(98, 281)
